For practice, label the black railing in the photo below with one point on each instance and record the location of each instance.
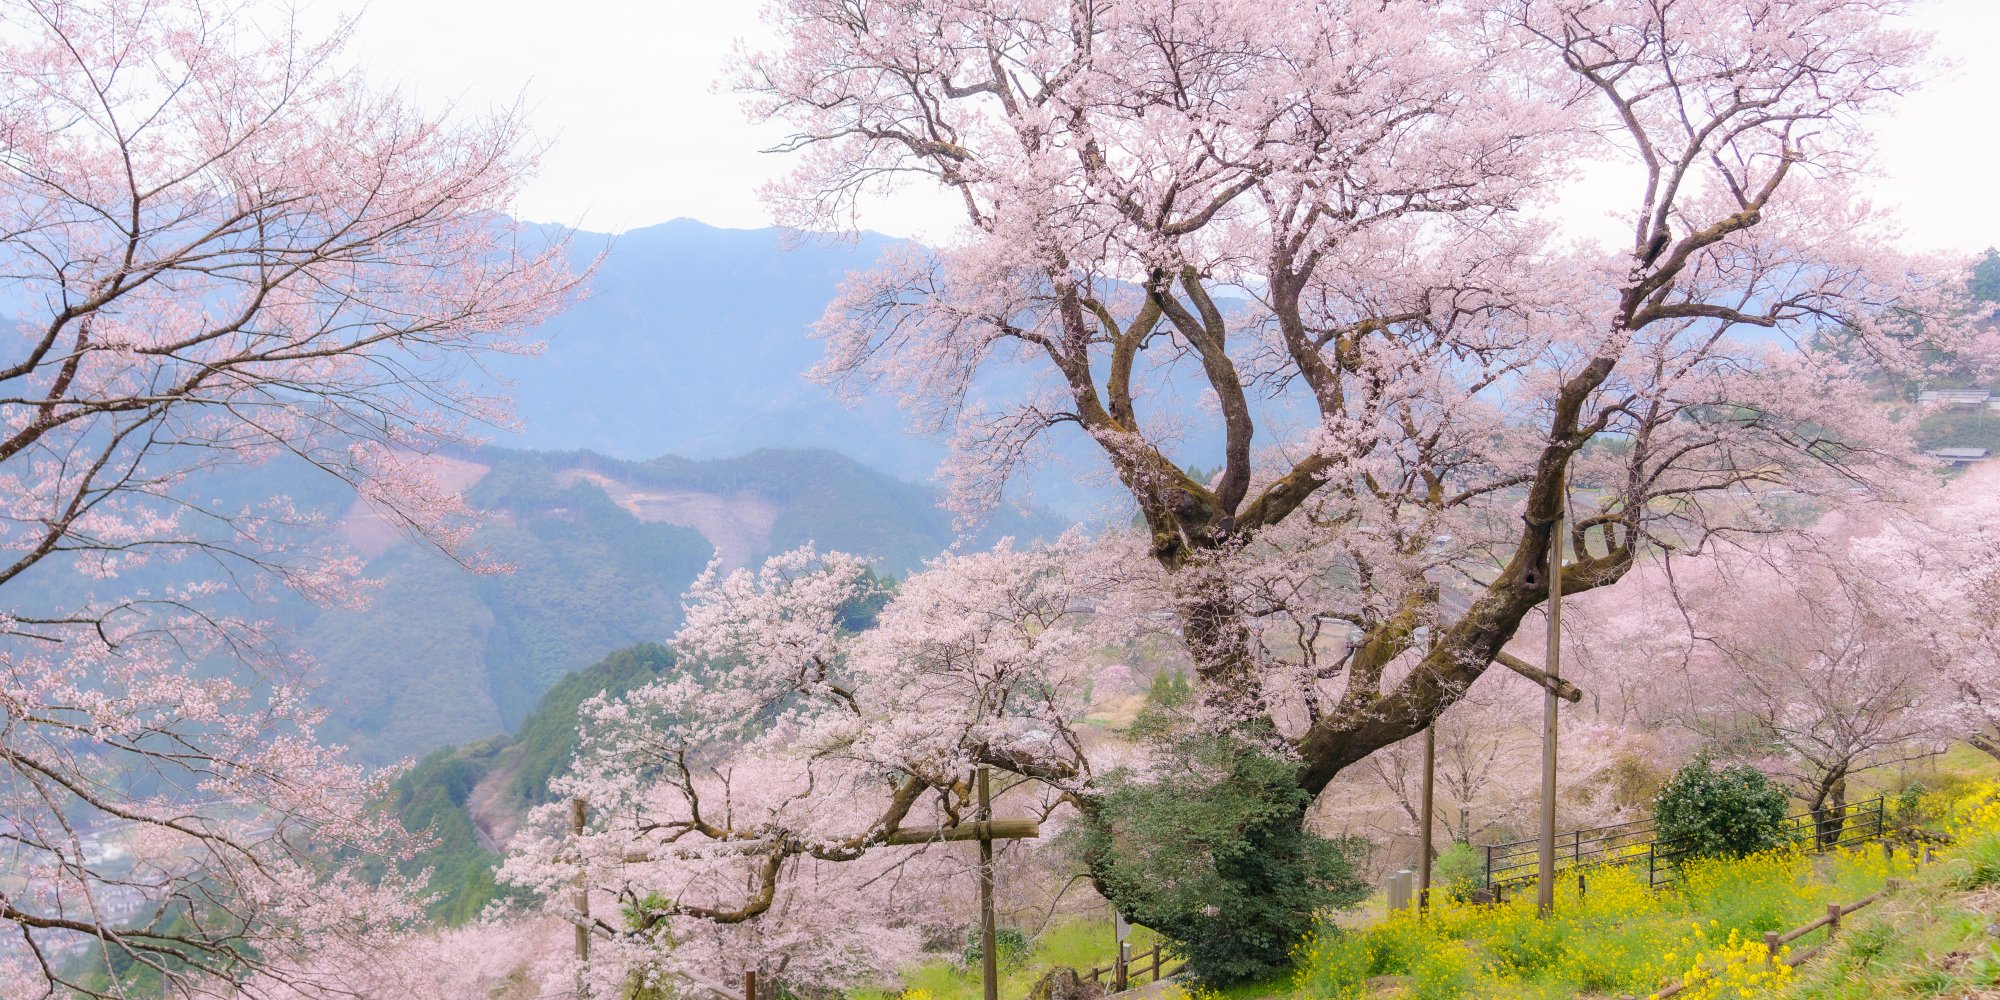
(1517, 863)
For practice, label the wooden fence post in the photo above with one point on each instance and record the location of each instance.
(1156, 961)
(1771, 949)
(1832, 920)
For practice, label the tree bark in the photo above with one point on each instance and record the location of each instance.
(1829, 810)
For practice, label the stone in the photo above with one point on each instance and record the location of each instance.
(1063, 983)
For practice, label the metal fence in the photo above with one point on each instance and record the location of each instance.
(1512, 865)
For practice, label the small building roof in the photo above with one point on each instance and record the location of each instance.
(1955, 395)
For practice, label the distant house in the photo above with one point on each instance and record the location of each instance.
(1974, 398)
(1958, 458)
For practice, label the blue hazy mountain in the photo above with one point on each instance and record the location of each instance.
(694, 341)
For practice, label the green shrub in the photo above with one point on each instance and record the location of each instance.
(1210, 849)
(1711, 811)
(1169, 693)
(1008, 943)
(1908, 802)
(1458, 871)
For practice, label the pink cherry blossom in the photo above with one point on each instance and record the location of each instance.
(217, 253)
(1332, 229)
(741, 810)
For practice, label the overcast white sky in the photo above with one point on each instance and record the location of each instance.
(624, 93)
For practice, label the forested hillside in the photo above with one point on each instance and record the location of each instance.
(459, 794)
(1963, 426)
(599, 552)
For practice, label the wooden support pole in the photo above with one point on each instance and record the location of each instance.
(989, 961)
(1562, 688)
(1545, 861)
(993, 829)
(578, 812)
(750, 984)
(1427, 821)
(1832, 920)
(1771, 949)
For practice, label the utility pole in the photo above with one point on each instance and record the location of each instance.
(1424, 824)
(989, 959)
(1545, 862)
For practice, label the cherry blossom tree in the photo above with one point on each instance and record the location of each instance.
(783, 806)
(1939, 581)
(217, 252)
(1817, 679)
(481, 959)
(1330, 227)
(1488, 752)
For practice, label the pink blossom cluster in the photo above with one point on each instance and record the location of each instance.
(740, 810)
(218, 253)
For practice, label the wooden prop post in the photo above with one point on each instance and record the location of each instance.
(1425, 823)
(577, 811)
(1545, 861)
(989, 959)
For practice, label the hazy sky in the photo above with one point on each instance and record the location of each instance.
(624, 92)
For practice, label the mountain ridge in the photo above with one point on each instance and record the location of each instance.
(601, 551)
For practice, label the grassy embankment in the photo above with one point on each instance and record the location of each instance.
(1929, 939)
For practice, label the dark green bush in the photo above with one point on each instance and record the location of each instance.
(1209, 848)
(1710, 810)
